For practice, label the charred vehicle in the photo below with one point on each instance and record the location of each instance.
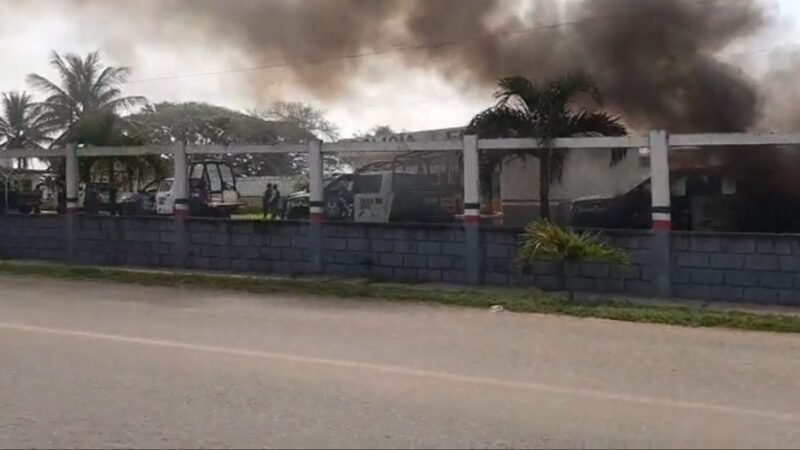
(700, 200)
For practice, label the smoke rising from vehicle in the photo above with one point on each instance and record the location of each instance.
(655, 60)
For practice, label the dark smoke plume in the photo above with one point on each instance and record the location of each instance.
(655, 60)
(658, 64)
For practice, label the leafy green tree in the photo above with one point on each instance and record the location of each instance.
(547, 111)
(311, 120)
(303, 116)
(376, 132)
(543, 240)
(205, 124)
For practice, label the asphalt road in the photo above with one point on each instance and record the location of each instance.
(100, 365)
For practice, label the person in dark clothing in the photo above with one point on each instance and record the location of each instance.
(265, 201)
(275, 203)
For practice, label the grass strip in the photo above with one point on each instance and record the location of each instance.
(530, 302)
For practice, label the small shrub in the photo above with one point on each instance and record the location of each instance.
(543, 240)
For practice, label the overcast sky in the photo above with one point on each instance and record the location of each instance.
(410, 100)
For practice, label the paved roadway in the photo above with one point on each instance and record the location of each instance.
(100, 365)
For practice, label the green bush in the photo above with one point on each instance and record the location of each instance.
(543, 240)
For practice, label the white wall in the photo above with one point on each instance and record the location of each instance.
(587, 173)
(255, 186)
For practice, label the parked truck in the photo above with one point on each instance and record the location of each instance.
(413, 187)
(211, 187)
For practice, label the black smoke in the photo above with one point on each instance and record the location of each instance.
(656, 61)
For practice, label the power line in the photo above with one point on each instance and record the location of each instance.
(401, 49)
(767, 50)
(418, 47)
(398, 49)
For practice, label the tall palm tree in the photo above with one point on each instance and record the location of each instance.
(545, 111)
(21, 123)
(85, 106)
(86, 89)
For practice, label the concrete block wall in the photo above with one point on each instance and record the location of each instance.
(709, 266)
(31, 237)
(411, 253)
(140, 242)
(243, 246)
(737, 267)
(500, 267)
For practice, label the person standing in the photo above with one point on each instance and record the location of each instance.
(265, 201)
(276, 202)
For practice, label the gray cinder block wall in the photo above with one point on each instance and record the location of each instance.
(710, 266)
(499, 247)
(749, 267)
(33, 237)
(390, 252)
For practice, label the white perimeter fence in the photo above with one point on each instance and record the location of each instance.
(658, 141)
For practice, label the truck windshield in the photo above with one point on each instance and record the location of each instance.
(367, 184)
(228, 181)
(166, 186)
(407, 182)
(214, 178)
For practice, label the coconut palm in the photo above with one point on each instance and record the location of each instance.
(545, 111)
(21, 123)
(85, 105)
(85, 88)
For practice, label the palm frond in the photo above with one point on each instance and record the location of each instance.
(110, 76)
(43, 84)
(521, 89)
(502, 122)
(563, 90)
(124, 103)
(600, 123)
(543, 240)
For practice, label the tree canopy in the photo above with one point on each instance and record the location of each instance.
(205, 124)
(303, 116)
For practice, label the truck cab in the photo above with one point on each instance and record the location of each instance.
(212, 191)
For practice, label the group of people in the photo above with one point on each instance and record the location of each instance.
(271, 203)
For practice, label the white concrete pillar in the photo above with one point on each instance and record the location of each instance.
(181, 191)
(316, 206)
(316, 188)
(71, 181)
(181, 181)
(472, 199)
(659, 170)
(72, 205)
(662, 217)
(473, 253)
